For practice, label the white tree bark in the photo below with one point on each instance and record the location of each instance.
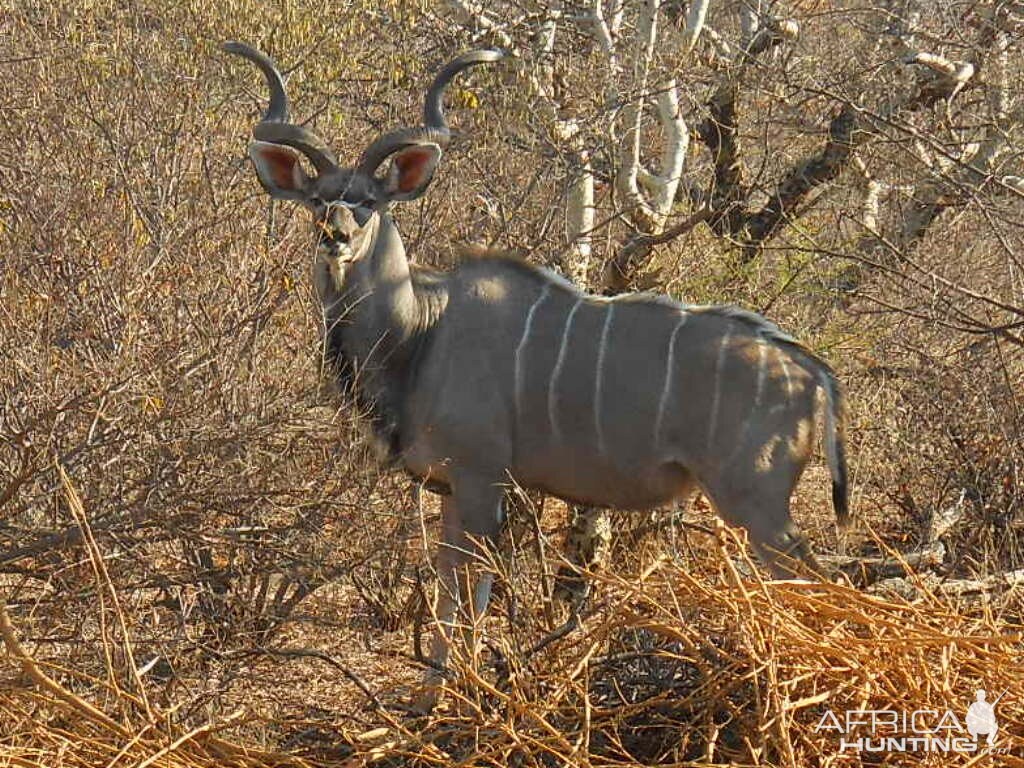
(472, 14)
(750, 21)
(673, 154)
(604, 36)
(616, 12)
(629, 144)
(695, 16)
(580, 223)
(872, 196)
(545, 50)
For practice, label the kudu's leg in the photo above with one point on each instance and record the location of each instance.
(472, 513)
(588, 544)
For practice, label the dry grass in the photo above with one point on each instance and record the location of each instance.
(677, 666)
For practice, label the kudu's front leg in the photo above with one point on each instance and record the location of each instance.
(471, 517)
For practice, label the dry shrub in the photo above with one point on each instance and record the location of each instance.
(675, 666)
(937, 400)
(159, 349)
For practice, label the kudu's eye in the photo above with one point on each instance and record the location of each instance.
(361, 203)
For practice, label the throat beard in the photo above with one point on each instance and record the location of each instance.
(374, 400)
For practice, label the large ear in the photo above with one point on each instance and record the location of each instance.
(279, 169)
(412, 170)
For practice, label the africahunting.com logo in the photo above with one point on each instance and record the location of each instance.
(922, 730)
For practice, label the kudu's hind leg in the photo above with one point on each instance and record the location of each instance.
(764, 511)
(588, 545)
(781, 545)
(459, 603)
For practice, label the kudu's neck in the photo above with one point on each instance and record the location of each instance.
(374, 329)
(385, 279)
(374, 297)
(370, 307)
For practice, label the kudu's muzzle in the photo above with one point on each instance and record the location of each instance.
(339, 232)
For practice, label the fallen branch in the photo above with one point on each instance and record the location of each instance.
(313, 653)
(867, 570)
(960, 587)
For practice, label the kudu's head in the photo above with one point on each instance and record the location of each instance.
(347, 203)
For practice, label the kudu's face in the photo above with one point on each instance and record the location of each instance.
(345, 207)
(346, 204)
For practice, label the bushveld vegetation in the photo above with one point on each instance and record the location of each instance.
(200, 562)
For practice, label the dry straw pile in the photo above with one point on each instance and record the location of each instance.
(674, 667)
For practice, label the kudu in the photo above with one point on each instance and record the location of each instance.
(499, 372)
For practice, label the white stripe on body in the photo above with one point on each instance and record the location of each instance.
(785, 371)
(527, 327)
(788, 383)
(557, 372)
(762, 366)
(666, 388)
(716, 401)
(601, 350)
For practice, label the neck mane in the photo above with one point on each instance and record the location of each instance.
(377, 328)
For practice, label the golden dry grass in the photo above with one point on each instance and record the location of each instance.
(675, 666)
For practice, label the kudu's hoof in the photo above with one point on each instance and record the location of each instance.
(424, 701)
(427, 694)
(570, 588)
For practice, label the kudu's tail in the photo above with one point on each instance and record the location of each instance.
(835, 449)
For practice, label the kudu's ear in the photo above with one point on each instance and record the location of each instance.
(412, 170)
(279, 169)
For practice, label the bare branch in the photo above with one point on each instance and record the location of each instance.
(48, 684)
(750, 21)
(629, 147)
(975, 166)
(719, 133)
(773, 33)
(843, 137)
(603, 35)
(473, 14)
(619, 270)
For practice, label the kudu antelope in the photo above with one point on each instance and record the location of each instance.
(500, 372)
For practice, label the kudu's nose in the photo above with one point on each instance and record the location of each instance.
(332, 235)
